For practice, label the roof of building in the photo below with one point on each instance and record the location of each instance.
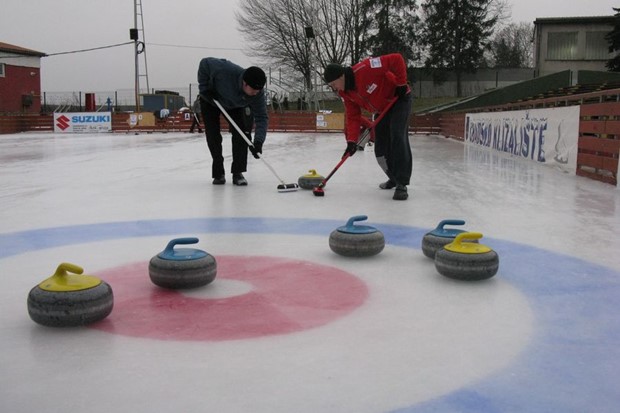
(10, 48)
(576, 19)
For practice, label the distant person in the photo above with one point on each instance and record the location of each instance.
(370, 85)
(240, 92)
(196, 117)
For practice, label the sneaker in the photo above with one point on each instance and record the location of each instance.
(220, 180)
(400, 193)
(238, 179)
(389, 184)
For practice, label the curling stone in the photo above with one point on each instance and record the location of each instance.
(467, 261)
(311, 180)
(183, 267)
(69, 299)
(440, 236)
(356, 240)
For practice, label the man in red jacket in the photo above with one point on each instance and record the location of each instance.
(371, 85)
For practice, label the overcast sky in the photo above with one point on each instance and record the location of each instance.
(205, 27)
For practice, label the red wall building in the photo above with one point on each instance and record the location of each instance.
(20, 79)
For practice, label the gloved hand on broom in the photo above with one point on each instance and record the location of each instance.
(256, 149)
(351, 149)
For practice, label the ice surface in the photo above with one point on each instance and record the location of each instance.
(539, 336)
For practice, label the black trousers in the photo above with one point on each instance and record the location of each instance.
(211, 118)
(195, 122)
(392, 148)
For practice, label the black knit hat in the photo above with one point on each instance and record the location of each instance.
(255, 77)
(332, 72)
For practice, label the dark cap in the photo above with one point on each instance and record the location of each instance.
(332, 72)
(255, 77)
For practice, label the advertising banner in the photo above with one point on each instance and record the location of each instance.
(546, 136)
(83, 122)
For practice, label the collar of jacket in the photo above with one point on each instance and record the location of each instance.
(349, 79)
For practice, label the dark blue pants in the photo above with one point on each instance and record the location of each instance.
(392, 148)
(211, 118)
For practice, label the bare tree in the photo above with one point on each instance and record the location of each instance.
(334, 37)
(301, 35)
(358, 26)
(275, 33)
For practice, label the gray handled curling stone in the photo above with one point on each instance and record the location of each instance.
(440, 236)
(310, 180)
(69, 299)
(183, 267)
(467, 261)
(356, 240)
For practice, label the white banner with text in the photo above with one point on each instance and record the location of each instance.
(83, 122)
(547, 136)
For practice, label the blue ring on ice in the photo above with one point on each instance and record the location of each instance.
(557, 372)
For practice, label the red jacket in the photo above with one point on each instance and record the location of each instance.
(376, 79)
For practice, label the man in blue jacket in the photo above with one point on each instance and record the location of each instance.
(240, 92)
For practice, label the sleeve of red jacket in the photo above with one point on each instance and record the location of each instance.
(397, 68)
(353, 120)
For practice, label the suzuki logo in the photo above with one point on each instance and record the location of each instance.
(62, 122)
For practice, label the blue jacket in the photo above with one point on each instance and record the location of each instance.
(226, 80)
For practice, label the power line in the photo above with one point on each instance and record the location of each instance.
(131, 42)
(89, 50)
(192, 47)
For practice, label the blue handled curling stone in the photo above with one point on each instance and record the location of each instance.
(468, 261)
(182, 267)
(311, 180)
(356, 240)
(69, 299)
(440, 236)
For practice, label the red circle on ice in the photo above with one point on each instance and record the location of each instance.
(284, 296)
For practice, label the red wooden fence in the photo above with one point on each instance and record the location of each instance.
(599, 142)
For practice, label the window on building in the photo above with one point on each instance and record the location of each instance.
(562, 46)
(1, 69)
(597, 47)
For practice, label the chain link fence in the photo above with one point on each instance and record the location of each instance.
(124, 100)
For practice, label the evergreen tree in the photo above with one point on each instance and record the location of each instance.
(512, 46)
(613, 37)
(394, 27)
(456, 34)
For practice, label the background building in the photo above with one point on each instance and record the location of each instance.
(573, 43)
(20, 79)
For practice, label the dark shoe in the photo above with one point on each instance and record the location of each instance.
(221, 180)
(400, 193)
(389, 184)
(238, 179)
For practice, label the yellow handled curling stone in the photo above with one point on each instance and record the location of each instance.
(465, 260)
(310, 180)
(69, 299)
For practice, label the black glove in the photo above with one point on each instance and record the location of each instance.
(256, 149)
(351, 149)
(400, 91)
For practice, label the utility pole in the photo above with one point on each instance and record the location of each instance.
(139, 49)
